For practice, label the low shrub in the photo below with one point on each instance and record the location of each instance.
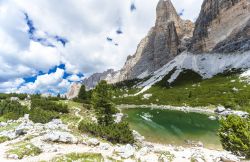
(49, 105)
(38, 115)
(4, 139)
(7, 96)
(12, 109)
(115, 133)
(234, 134)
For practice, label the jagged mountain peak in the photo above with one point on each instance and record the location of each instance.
(165, 12)
(223, 26)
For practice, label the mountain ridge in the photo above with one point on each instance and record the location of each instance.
(172, 36)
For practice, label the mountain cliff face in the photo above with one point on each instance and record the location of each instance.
(223, 26)
(74, 90)
(164, 41)
(93, 80)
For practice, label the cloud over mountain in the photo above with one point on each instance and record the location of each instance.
(36, 36)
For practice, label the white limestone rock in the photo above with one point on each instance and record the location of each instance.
(13, 156)
(125, 151)
(3, 124)
(58, 136)
(118, 117)
(93, 142)
(152, 157)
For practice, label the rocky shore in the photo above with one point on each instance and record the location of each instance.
(219, 110)
(55, 139)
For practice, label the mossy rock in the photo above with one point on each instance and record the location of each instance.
(81, 157)
(4, 139)
(23, 149)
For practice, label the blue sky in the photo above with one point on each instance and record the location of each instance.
(46, 45)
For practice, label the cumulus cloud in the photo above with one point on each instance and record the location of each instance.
(53, 83)
(10, 86)
(75, 78)
(74, 33)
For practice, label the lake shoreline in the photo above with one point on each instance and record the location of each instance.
(187, 109)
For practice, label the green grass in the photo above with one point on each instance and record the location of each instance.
(81, 157)
(4, 139)
(23, 149)
(190, 90)
(9, 127)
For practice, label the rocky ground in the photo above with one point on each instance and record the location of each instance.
(23, 140)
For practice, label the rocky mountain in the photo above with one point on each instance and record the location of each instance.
(223, 26)
(164, 41)
(93, 80)
(74, 90)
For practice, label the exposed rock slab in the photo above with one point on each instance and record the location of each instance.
(222, 26)
(74, 90)
(164, 41)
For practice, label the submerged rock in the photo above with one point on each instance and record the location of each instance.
(212, 117)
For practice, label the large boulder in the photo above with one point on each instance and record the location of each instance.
(11, 134)
(23, 128)
(56, 124)
(58, 136)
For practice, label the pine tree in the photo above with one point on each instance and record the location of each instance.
(234, 134)
(83, 94)
(102, 103)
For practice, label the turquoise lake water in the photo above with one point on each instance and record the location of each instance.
(174, 127)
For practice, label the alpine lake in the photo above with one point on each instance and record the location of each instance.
(174, 127)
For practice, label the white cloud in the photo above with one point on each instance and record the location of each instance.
(40, 57)
(53, 83)
(75, 78)
(10, 86)
(85, 24)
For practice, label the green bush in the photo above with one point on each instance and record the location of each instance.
(7, 96)
(234, 134)
(4, 139)
(12, 109)
(38, 115)
(115, 133)
(102, 103)
(46, 104)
